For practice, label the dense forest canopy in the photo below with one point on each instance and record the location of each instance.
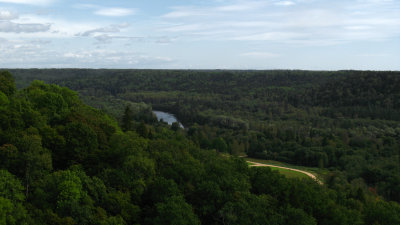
(63, 162)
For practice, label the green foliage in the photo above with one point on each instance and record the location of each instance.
(7, 83)
(63, 162)
(175, 126)
(3, 100)
(119, 203)
(9, 155)
(220, 144)
(6, 209)
(10, 187)
(81, 141)
(142, 130)
(175, 210)
(262, 209)
(383, 213)
(11, 199)
(297, 216)
(127, 119)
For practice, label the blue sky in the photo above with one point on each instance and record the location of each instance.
(201, 34)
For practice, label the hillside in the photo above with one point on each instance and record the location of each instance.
(343, 121)
(63, 162)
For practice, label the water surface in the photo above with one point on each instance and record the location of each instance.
(166, 117)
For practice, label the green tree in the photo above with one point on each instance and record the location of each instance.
(127, 119)
(6, 211)
(9, 155)
(138, 171)
(11, 198)
(34, 160)
(251, 210)
(220, 145)
(175, 126)
(161, 189)
(175, 211)
(296, 216)
(4, 101)
(118, 204)
(7, 83)
(142, 130)
(81, 141)
(382, 213)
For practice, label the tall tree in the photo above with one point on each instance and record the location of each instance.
(7, 83)
(127, 119)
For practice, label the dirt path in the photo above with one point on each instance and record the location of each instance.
(300, 171)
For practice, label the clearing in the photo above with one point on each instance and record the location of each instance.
(288, 172)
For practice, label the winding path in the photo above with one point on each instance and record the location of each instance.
(300, 171)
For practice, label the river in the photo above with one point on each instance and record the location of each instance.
(167, 117)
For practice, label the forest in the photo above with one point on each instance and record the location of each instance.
(65, 162)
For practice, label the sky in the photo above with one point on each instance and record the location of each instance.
(201, 34)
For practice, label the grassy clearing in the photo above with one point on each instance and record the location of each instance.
(290, 173)
(249, 163)
(319, 173)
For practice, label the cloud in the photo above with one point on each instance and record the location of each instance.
(86, 6)
(240, 6)
(104, 34)
(285, 3)
(11, 27)
(114, 12)
(115, 28)
(355, 27)
(7, 15)
(190, 12)
(305, 22)
(106, 38)
(9, 23)
(374, 55)
(113, 58)
(164, 39)
(260, 54)
(29, 2)
(272, 36)
(36, 54)
(106, 11)
(40, 42)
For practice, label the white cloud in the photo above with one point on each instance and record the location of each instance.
(59, 27)
(106, 11)
(10, 27)
(355, 27)
(180, 12)
(85, 6)
(272, 36)
(374, 55)
(285, 3)
(29, 2)
(304, 22)
(114, 12)
(260, 54)
(7, 15)
(40, 42)
(115, 28)
(106, 34)
(106, 38)
(37, 54)
(243, 6)
(113, 58)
